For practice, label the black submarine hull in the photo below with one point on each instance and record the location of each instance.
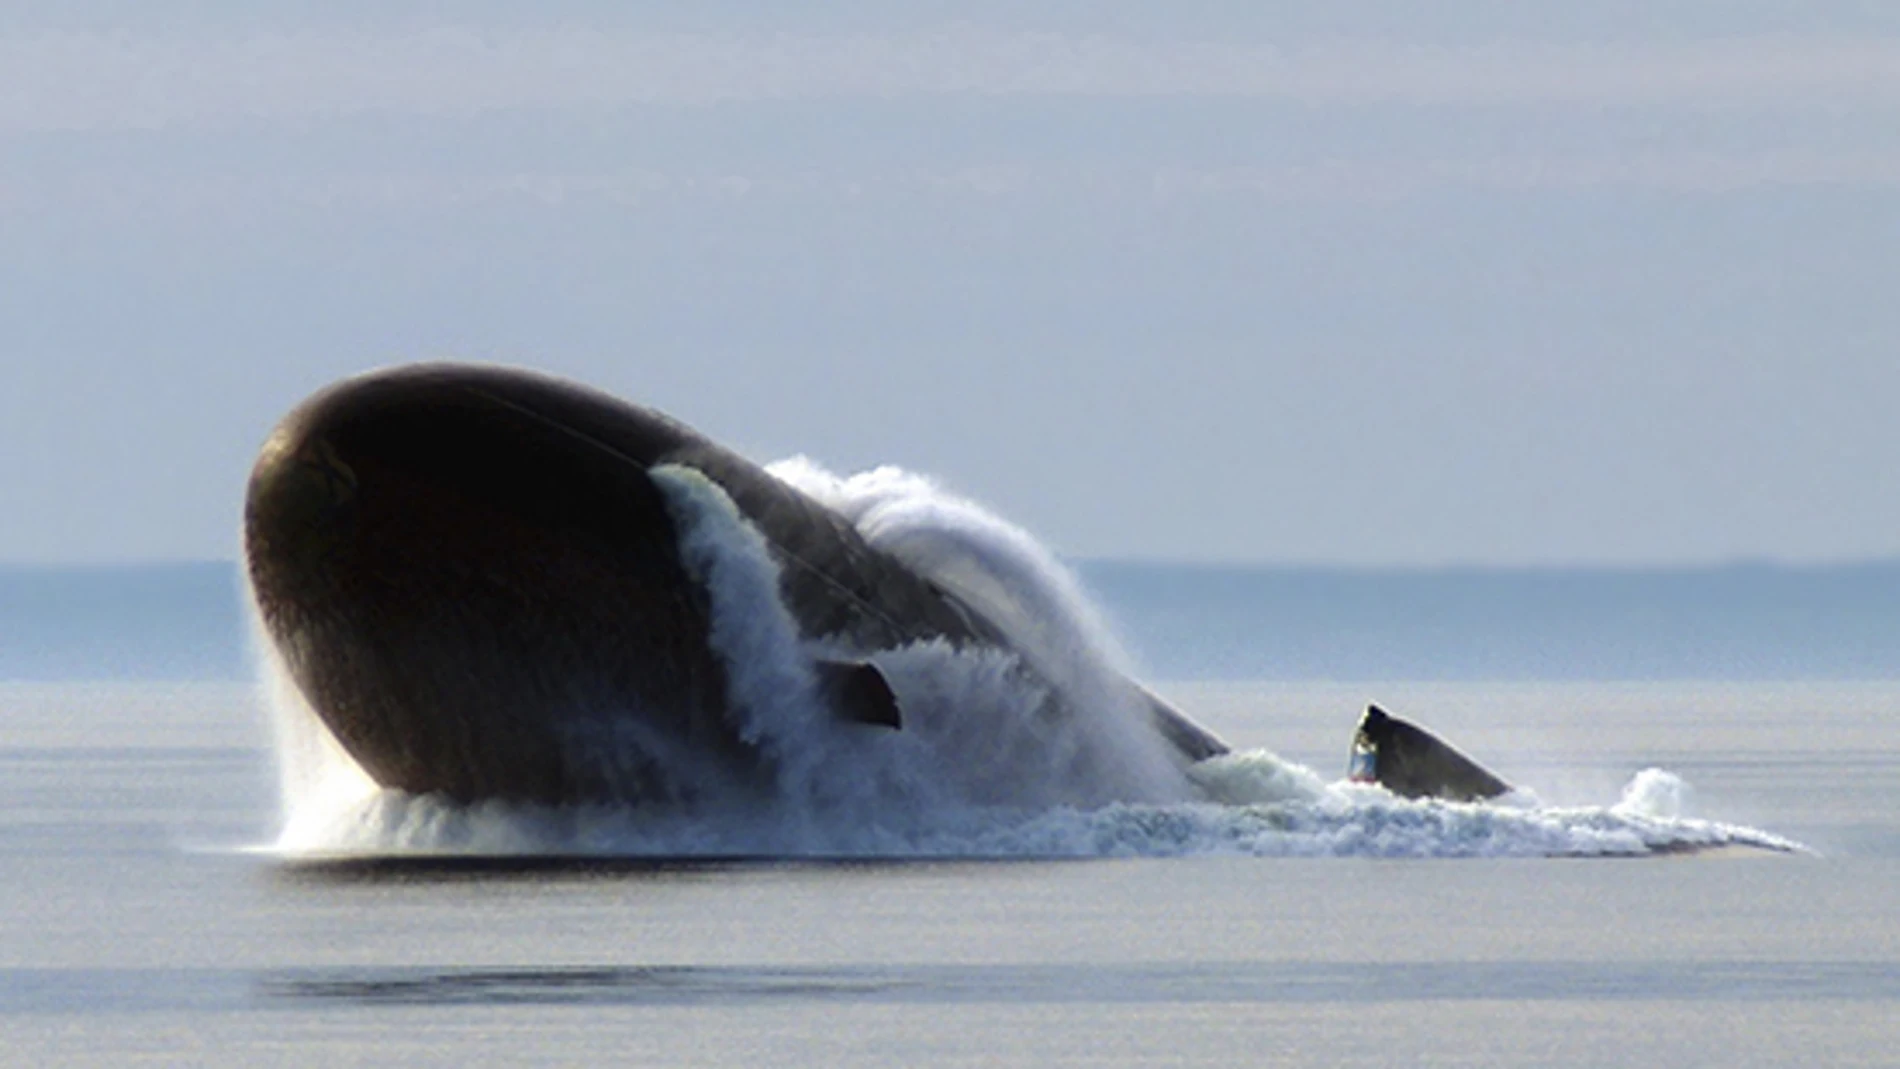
(473, 577)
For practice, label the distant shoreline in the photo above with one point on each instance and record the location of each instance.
(1741, 621)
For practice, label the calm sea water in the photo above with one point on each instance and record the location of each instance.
(141, 924)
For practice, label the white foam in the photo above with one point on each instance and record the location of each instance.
(771, 690)
(978, 729)
(1345, 820)
(319, 784)
(1656, 794)
(1015, 583)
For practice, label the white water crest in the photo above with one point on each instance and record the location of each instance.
(1043, 750)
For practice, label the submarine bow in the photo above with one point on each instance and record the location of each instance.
(493, 584)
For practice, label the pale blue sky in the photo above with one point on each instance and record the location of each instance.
(1365, 284)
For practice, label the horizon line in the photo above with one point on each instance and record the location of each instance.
(1750, 563)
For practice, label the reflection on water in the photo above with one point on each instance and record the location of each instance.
(1095, 983)
(671, 985)
(90, 992)
(541, 868)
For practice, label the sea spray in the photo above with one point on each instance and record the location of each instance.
(319, 785)
(1014, 582)
(771, 692)
(979, 729)
(1657, 794)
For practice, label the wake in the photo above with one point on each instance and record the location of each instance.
(1046, 752)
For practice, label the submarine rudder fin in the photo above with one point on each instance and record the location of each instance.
(1412, 762)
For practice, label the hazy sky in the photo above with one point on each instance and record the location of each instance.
(1349, 283)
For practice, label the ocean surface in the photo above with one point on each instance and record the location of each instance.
(1700, 871)
(145, 921)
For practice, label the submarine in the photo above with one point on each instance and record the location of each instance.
(491, 584)
(485, 583)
